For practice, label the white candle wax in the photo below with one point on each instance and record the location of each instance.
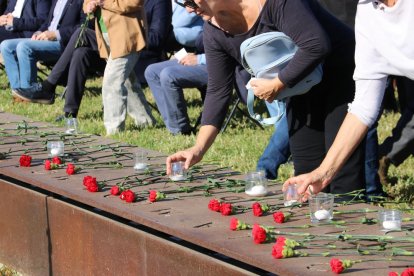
(140, 166)
(70, 131)
(391, 225)
(290, 202)
(257, 190)
(322, 214)
(56, 151)
(177, 177)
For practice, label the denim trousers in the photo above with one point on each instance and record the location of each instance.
(166, 80)
(277, 151)
(20, 58)
(122, 94)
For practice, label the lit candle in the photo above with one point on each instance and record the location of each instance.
(322, 214)
(257, 190)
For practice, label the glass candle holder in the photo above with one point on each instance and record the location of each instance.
(140, 160)
(291, 195)
(389, 220)
(321, 207)
(178, 172)
(55, 148)
(71, 126)
(256, 184)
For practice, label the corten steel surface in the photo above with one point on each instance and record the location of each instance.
(84, 243)
(23, 229)
(185, 216)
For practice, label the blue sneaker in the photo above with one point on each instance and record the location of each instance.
(34, 94)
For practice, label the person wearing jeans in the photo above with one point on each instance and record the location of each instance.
(167, 80)
(21, 55)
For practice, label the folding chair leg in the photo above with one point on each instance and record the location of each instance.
(233, 109)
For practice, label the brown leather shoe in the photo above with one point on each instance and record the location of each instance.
(384, 164)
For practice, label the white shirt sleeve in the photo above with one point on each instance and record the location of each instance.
(368, 99)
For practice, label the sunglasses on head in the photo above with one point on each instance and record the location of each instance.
(187, 3)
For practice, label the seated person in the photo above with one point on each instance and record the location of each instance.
(75, 64)
(159, 16)
(47, 44)
(20, 18)
(168, 78)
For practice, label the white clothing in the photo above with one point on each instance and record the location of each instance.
(18, 8)
(384, 46)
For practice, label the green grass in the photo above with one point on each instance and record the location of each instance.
(239, 147)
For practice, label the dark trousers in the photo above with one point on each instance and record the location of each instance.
(400, 145)
(74, 66)
(4, 34)
(314, 120)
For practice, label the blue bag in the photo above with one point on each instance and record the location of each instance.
(264, 56)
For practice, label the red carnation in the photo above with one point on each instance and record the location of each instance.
(259, 210)
(408, 272)
(226, 209)
(90, 183)
(25, 160)
(214, 205)
(155, 196)
(48, 165)
(393, 273)
(281, 217)
(259, 234)
(277, 251)
(338, 266)
(56, 160)
(234, 222)
(70, 169)
(115, 190)
(128, 196)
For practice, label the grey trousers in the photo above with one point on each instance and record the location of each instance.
(121, 93)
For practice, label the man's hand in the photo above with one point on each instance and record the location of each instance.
(189, 60)
(46, 35)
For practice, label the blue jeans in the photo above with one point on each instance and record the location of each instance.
(277, 151)
(166, 80)
(20, 58)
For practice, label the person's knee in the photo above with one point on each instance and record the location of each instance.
(150, 73)
(168, 76)
(6, 47)
(23, 49)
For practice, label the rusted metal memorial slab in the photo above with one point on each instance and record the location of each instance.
(97, 233)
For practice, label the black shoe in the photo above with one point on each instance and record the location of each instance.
(34, 94)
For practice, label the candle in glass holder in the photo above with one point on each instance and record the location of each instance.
(55, 148)
(256, 184)
(140, 160)
(321, 207)
(291, 195)
(390, 220)
(178, 172)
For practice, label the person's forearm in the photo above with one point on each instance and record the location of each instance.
(350, 135)
(205, 138)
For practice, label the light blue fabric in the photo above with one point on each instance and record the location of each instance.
(181, 20)
(201, 59)
(20, 57)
